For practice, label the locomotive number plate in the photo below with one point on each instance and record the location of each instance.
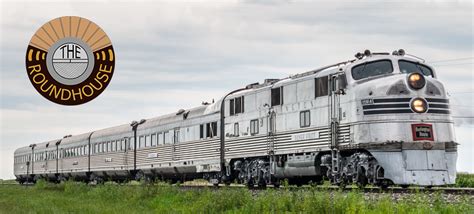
(305, 136)
(422, 132)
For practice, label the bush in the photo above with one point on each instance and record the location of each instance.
(465, 180)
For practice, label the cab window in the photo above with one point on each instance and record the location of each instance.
(370, 69)
(410, 67)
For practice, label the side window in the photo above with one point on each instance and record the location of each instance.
(236, 129)
(277, 96)
(321, 86)
(160, 139)
(239, 108)
(201, 131)
(208, 130)
(153, 140)
(232, 107)
(141, 142)
(236, 105)
(305, 119)
(147, 141)
(211, 130)
(253, 127)
(214, 129)
(114, 146)
(176, 135)
(166, 137)
(342, 81)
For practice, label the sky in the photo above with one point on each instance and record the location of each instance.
(173, 55)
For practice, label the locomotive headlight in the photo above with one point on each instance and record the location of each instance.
(419, 105)
(416, 81)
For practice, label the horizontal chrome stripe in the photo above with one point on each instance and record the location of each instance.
(437, 100)
(438, 111)
(392, 100)
(390, 111)
(434, 105)
(377, 106)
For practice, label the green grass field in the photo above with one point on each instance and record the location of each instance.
(73, 197)
(464, 180)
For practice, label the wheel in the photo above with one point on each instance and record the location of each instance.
(262, 184)
(361, 178)
(342, 185)
(139, 176)
(384, 186)
(97, 180)
(249, 183)
(277, 184)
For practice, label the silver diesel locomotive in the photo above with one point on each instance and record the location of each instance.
(378, 119)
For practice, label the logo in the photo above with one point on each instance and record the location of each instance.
(422, 132)
(70, 60)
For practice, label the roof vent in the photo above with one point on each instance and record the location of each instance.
(185, 115)
(252, 85)
(180, 112)
(270, 81)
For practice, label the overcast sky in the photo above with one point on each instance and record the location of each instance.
(176, 55)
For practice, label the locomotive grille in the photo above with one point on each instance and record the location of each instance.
(402, 105)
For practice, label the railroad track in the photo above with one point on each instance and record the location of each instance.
(409, 190)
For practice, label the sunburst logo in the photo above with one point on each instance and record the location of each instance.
(70, 60)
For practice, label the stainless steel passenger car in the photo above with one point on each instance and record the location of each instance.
(380, 118)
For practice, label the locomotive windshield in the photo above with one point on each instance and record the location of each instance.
(373, 68)
(410, 67)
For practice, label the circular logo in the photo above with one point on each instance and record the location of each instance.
(70, 60)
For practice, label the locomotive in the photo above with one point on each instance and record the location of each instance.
(380, 119)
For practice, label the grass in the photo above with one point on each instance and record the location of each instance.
(465, 180)
(12, 181)
(74, 197)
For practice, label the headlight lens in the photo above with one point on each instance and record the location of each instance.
(416, 81)
(419, 105)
